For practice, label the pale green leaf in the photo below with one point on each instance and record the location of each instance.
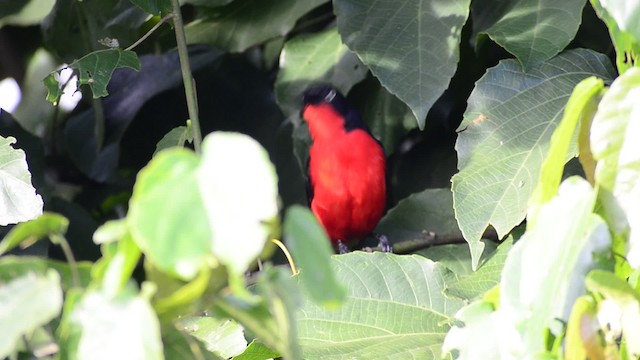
(27, 302)
(123, 327)
(29, 232)
(18, 198)
(239, 188)
(223, 337)
(616, 148)
(543, 274)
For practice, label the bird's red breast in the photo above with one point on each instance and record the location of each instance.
(346, 170)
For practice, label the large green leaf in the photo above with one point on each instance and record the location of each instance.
(318, 57)
(174, 238)
(311, 251)
(395, 308)
(116, 327)
(505, 135)
(27, 302)
(18, 198)
(532, 30)
(242, 24)
(615, 148)
(626, 14)
(410, 46)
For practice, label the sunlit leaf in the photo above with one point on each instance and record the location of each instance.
(223, 337)
(27, 302)
(117, 327)
(615, 148)
(18, 198)
(239, 188)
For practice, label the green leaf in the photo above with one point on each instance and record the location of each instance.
(615, 148)
(257, 351)
(415, 216)
(24, 13)
(626, 298)
(456, 257)
(223, 337)
(176, 238)
(242, 24)
(411, 47)
(311, 251)
(210, 3)
(154, 7)
(95, 69)
(395, 308)
(317, 57)
(27, 302)
(18, 198)
(176, 137)
(239, 188)
(117, 327)
(485, 278)
(543, 273)
(29, 232)
(532, 30)
(551, 171)
(505, 135)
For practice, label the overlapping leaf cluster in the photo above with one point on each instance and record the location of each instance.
(187, 269)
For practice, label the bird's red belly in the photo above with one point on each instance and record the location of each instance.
(349, 186)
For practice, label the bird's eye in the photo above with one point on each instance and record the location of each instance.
(330, 95)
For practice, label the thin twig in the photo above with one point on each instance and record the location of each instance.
(151, 31)
(429, 239)
(183, 53)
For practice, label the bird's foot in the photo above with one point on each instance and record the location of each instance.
(342, 248)
(383, 243)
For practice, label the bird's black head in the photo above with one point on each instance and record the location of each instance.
(322, 93)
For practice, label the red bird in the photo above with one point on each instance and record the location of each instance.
(346, 169)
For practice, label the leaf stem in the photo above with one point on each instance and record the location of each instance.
(284, 249)
(66, 249)
(189, 86)
(148, 33)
